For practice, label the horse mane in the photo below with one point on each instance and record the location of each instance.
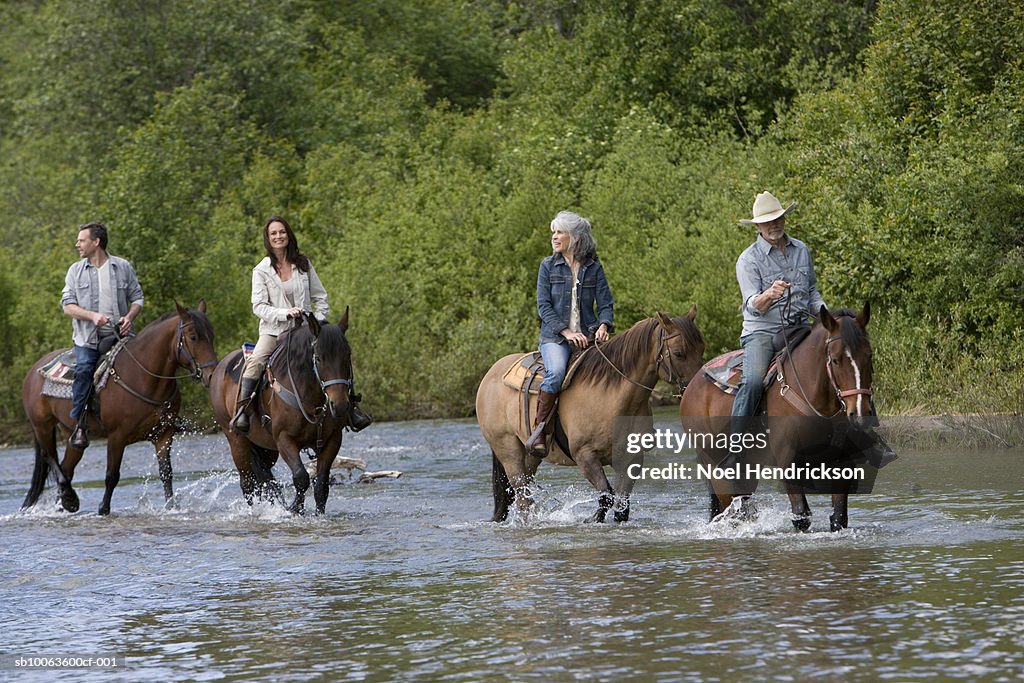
(628, 350)
(331, 343)
(202, 324)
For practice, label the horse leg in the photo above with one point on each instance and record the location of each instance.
(289, 451)
(502, 490)
(839, 519)
(715, 505)
(594, 472)
(115, 454)
(65, 473)
(46, 462)
(162, 443)
(624, 485)
(322, 481)
(799, 509)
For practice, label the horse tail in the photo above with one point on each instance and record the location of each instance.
(503, 493)
(40, 471)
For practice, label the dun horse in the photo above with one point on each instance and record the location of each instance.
(822, 391)
(614, 380)
(139, 401)
(304, 404)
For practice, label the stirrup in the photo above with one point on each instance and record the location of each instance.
(240, 423)
(537, 445)
(79, 437)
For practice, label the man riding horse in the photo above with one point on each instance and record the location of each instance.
(103, 296)
(780, 292)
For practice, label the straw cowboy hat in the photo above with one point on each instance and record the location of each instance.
(766, 208)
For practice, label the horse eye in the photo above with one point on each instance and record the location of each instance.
(678, 354)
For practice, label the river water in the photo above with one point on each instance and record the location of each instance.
(405, 579)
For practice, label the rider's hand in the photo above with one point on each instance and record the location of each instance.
(577, 339)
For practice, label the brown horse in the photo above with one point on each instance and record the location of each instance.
(304, 404)
(139, 401)
(612, 381)
(822, 391)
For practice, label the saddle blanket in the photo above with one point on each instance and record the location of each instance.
(726, 371)
(59, 373)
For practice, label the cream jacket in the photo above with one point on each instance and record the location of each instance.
(268, 302)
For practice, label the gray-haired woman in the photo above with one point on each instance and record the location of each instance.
(575, 307)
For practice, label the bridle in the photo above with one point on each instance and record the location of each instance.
(838, 392)
(292, 398)
(195, 368)
(661, 358)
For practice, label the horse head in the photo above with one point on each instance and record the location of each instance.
(332, 363)
(848, 362)
(681, 348)
(194, 342)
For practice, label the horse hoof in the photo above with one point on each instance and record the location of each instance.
(801, 523)
(598, 517)
(835, 524)
(622, 515)
(104, 510)
(69, 500)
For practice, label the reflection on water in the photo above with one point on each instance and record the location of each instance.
(404, 579)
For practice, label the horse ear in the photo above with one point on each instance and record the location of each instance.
(201, 306)
(865, 315)
(666, 322)
(314, 324)
(182, 312)
(692, 315)
(827, 321)
(343, 323)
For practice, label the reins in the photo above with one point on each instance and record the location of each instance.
(196, 369)
(321, 410)
(662, 338)
(784, 388)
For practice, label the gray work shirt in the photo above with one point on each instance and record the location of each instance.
(82, 287)
(759, 266)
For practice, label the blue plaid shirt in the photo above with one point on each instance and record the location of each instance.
(759, 266)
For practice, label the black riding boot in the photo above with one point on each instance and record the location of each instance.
(245, 394)
(358, 419)
(878, 452)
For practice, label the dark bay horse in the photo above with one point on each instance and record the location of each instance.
(139, 401)
(823, 389)
(304, 404)
(612, 381)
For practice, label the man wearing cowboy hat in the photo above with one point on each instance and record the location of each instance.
(780, 292)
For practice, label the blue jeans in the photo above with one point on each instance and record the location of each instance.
(556, 359)
(85, 365)
(758, 350)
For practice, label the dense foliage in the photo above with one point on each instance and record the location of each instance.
(420, 150)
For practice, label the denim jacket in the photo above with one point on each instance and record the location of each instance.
(554, 294)
(82, 287)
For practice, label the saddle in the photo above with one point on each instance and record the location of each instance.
(726, 370)
(59, 373)
(526, 375)
(266, 378)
